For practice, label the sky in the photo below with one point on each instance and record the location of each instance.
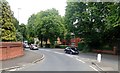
(23, 9)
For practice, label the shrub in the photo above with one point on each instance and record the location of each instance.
(85, 49)
(57, 46)
(63, 46)
(107, 47)
(81, 46)
(47, 45)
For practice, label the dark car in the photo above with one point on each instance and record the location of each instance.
(71, 50)
(33, 47)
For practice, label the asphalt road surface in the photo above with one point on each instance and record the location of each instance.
(58, 61)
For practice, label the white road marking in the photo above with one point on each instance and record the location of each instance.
(93, 68)
(13, 70)
(80, 60)
(45, 49)
(69, 55)
(58, 52)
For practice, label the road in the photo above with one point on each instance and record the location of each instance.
(58, 61)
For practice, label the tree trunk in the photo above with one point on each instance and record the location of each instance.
(46, 41)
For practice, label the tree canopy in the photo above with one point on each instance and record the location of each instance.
(8, 31)
(46, 25)
(96, 22)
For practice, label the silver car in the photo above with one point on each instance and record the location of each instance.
(33, 47)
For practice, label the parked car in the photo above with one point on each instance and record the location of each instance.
(25, 45)
(33, 47)
(71, 50)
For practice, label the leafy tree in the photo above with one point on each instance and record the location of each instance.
(23, 31)
(112, 24)
(30, 40)
(95, 22)
(19, 36)
(16, 23)
(31, 27)
(8, 31)
(49, 25)
(68, 37)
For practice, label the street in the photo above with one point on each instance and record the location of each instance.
(57, 61)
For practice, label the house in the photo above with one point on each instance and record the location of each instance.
(72, 42)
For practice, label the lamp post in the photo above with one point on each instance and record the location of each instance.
(18, 15)
(19, 21)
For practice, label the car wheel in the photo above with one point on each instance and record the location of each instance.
(66, 52)
(71, 53)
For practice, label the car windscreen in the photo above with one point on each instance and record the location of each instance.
(74, 49)
(67, 47)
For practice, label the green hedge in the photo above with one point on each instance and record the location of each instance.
(63, 46)
(83, 47)
(107, 47)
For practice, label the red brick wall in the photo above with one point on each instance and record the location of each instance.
(10, 50)
(106, 51)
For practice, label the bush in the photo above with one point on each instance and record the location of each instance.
(57, 46)
(107, 47)
(63, 46)
(81, 46)
(47, 45)
(85, 49)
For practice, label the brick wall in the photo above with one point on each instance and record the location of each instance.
(114, 52)
(10, 50)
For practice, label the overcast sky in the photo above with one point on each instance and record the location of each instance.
(28, 7)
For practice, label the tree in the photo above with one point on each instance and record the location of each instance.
(49, 25)
(23, 31)
(8, 31)
(31, 27)
(113, 24)
(19, 36)
(93, 21)
(16, 23)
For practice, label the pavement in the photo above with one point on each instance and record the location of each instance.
(108, 62)
(29, 57)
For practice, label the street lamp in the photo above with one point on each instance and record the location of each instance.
(19, 21)
(18, 15)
